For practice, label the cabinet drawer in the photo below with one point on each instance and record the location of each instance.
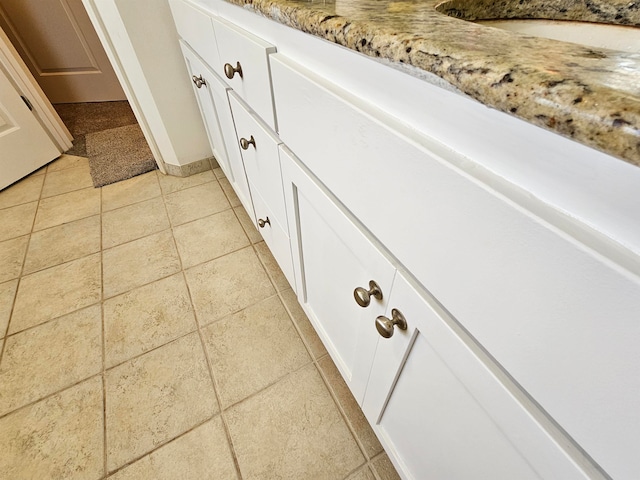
(261, 160)
(240, 49)
(194, 26)
(442, 414)
(560, 318)
(274, 231)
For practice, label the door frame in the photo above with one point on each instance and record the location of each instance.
(24, 82)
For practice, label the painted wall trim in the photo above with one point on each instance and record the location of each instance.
(192, 168)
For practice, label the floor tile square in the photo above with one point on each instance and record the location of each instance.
(17, 221)
(196, 202)
(63, 243)
(7, 295)
(66, 161)
(12, 257)
(66, 180)
(308, 333)
(271, 266)
(230, 192)
(139, 262)
(146, 318)
(209, 238)
(350, 407)
(293, 430)
(248, 225)
(227, 284)
(252, 349)
(219, 173)
(362, 474)
(25, 191)
(67, 207)
(384, 468)
(134, 221)
(50, 357)
(170, 183)
(156, 397)
(56, 291)
(133, 190)
(200, 454)
(60, 437)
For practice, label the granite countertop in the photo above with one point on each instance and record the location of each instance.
(589, 95)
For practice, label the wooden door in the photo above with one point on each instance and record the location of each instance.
(58, 43)
(440, 411)
(25, 146)
(332, 257)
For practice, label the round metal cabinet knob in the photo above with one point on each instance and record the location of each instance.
(199, 81)
(264, 222)
(244, 143)
(363, 297)
(230, 71)
(385, 325)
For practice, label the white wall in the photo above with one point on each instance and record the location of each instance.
(142, 43)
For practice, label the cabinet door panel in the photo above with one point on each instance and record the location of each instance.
(442, 413)
(332, 257)
(197, 69)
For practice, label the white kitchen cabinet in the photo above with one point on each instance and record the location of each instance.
(441, 412)
(332, 258)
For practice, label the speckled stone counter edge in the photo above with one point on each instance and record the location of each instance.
(591, 96)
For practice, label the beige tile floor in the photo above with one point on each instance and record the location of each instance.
(146, 333)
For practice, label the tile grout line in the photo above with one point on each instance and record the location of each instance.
(104, 359)
(212, 376)
(24, 260)
(49, 395)
(158, 447)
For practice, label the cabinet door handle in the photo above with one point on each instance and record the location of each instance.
(363, 297)
(385, 326)
(230, 71)
(244, 143)
(199, 81)
(264, 222)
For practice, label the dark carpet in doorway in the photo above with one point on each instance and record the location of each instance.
(126, 153)
(117, 154)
